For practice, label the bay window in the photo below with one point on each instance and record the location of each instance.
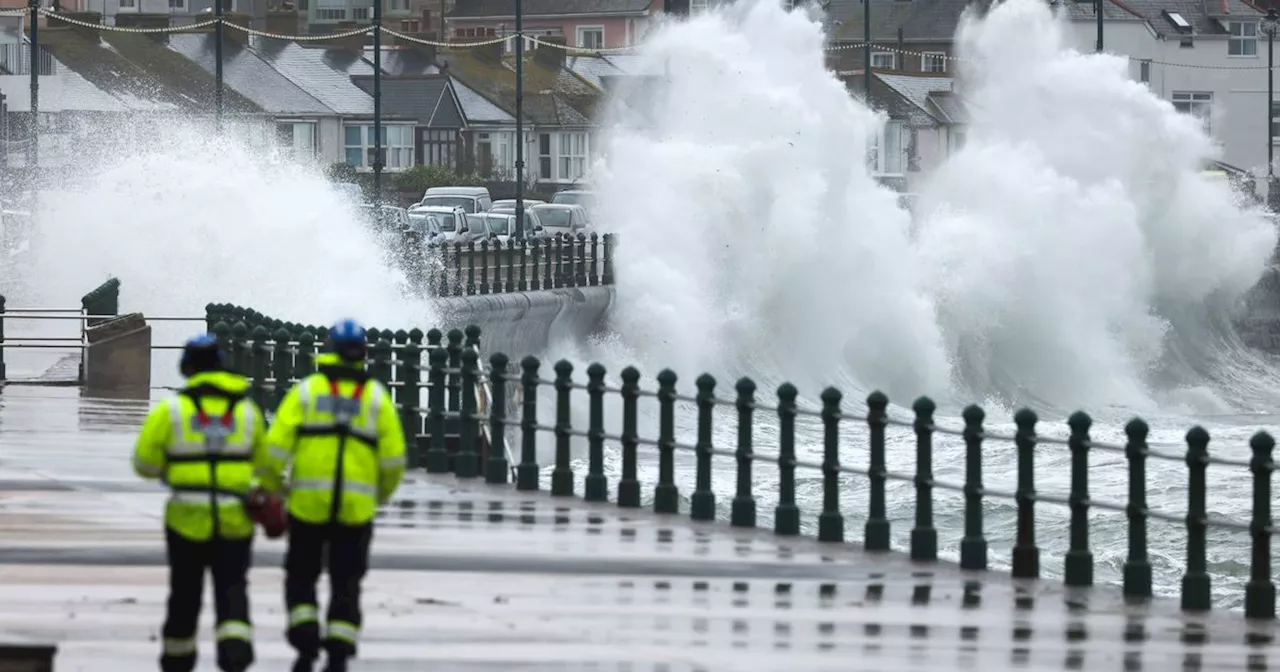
(397, 146)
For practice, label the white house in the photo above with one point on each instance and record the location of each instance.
(1207, 57)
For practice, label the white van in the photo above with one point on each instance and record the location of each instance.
(471, 199)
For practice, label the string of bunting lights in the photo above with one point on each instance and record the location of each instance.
(529, 39)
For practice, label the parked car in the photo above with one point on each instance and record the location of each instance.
(510, 203)
(532, 224)
(470, 199)
(583, 197)
(498, 226)
(562, 218)
(447, 218)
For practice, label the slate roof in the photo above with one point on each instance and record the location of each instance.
(1111, 11)
(552, 96)
(140, 71)
(404, 61)
(425, 98)
(496, 9)
(477, 108)
(923, 100)
(323, 73)
(249, 75)
(1203, 15)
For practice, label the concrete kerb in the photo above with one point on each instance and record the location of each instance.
(526, 322)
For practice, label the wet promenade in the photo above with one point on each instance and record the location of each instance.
(475, 577)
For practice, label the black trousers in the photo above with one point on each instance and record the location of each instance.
(347, 550)
(228, 560)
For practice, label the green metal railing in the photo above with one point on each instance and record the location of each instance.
(525, 265)
(397, 358)
(102, 302)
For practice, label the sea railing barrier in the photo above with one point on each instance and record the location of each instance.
(527, 264)
(447, 433)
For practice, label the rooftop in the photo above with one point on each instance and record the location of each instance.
(497, 9)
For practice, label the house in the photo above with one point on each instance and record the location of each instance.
(1207, 57)
(907, 35)
(175, 12)
(105, 91)
(588, 24)
(429, 100)
(408, 16)
(926, 123)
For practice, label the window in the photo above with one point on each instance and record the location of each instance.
(128, 4)
(544, 157)
(573, 156)
(697, 7)
(933, 61)
(297, 138)
(179, 5)
(398, 5)
(397, 146)
(1244, 38)
(591, 37)
(1196, 104)
(360, 13)
(883, 60)
(410, 26)
(1144, 72)
(439, 148)
(885, 155)
(958, 135)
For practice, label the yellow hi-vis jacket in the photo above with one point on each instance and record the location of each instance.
(340, 432)
(205, 444)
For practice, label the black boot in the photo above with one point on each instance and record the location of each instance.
(304, 664)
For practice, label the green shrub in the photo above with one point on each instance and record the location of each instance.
(420, 178)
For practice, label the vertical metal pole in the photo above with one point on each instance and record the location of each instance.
(1271, 96)
(866, 51)
(217, 61)
(381, 143)
(1099, 12)
(520, 119)
(33, 147)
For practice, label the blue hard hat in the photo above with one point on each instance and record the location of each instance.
(347, 338)
(202, 353)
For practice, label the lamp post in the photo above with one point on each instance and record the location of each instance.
(1269, 24)
(519, 233)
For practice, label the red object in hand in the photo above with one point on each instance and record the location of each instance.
(268, 511)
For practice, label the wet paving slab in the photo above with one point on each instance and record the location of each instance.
(469, 576)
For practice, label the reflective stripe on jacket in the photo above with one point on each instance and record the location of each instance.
(206, 444)
(362, 458)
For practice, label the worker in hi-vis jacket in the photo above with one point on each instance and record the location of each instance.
(338, 436)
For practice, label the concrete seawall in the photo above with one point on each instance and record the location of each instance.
(527, 322)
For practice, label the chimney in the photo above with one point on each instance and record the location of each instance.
(235, 34)
(94, 18)
(549, 53)
(282, 22)
(145, 21)
(351, 43)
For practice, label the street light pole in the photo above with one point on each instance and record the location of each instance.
(1269, 23)
(519, 119)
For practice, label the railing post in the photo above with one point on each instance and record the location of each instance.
(467, 462)
(471, 268)
(1260, 592)
(876, 532)
(1078, 565)
(238, 352)
(411, 396)
(831, 521)
(535, 261)
(562, 473)
(484, 266)
(973, 547)
(496, 466)
(743, 510)
(1195, 581)
(1026, 557)
(595, 258)
(437, 454)
(524, 261)
(666, 496)
(596, 486)
(580, 266)
(453, 381)
(1137, 567)
(547, 281)
(924, 537)
(381, 368)
(2, 310)
(527, 470)
(457, 269)
(281, 366)
(511, 267)
(259, 354)
(607, 277)
(629, 484)
(702, 505)
(304, 361)
(786, 516)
